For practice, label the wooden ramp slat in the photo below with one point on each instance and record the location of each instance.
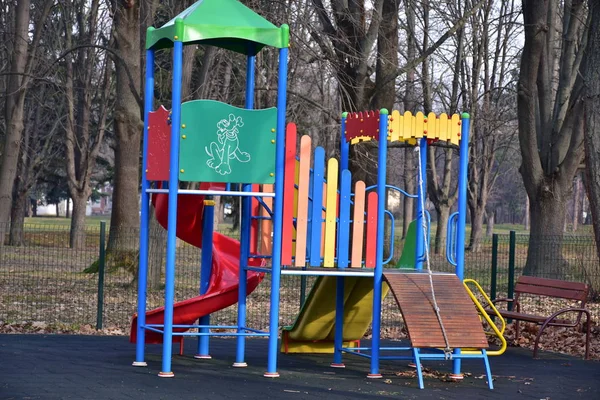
(458, 313)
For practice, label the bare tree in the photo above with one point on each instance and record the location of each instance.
(550, 123)
(87, 107)
(127, 123)
(22, 63)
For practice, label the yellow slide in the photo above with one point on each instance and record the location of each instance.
(314, 328)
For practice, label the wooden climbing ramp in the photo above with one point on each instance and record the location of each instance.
(458, 313)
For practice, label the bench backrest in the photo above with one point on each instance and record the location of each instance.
(552, 288)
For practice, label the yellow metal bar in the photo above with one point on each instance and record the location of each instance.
(331, 212)
(498, 332)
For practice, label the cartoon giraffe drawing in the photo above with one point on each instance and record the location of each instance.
(227, 147)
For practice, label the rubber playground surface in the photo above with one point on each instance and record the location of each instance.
(99, 367)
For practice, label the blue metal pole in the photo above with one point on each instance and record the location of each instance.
(144, 218)
(344, 145)
(245, 229)
(422, 193)
(378, 278)
(172, 211)
(206, 271)
(462, 210)
(278, 215)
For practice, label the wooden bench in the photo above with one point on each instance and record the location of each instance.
(549, 288)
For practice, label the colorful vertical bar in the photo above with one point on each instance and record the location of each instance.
(288, 195)
(317, 207)
(358, 224)
(344, 225)
(371, 247)
(302, 216)
(331, 213)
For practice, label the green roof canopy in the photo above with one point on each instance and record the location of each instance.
(222, 23)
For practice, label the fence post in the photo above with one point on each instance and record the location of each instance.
(511, 267)
(494, 280)
(101, 264)
(302, 291)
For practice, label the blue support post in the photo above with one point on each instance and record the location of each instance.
(278, 216)
(144, 217)
(462, 211)
(422, 195)
(344, 145)
(206, 271)
(245, 229)
(342, 254)
(378, 276)
(172, 211)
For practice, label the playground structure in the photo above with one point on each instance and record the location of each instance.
(320, 224)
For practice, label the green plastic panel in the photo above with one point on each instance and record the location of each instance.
(407, 259)
(223, 143)
(223, 23)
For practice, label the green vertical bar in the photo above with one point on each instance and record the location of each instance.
(302, 290)
(101, 262)
(494, 280)
(511, 266)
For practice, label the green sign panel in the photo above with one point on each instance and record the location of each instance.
(223, 143)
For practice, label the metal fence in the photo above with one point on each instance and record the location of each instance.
(45, 280)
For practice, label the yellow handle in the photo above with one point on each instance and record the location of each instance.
(498, 332)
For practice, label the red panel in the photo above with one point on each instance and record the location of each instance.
(362, 124)
(159, 145)
(371, 250)
(288, 194)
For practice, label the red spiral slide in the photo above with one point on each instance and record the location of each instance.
(224, 282)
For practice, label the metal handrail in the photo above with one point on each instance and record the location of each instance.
(498, 332)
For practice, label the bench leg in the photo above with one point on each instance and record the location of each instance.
(418, 366)
(488, 370)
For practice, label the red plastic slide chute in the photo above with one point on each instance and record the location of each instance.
(224, 281)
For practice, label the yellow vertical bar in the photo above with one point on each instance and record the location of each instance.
(420, 125)
(454, 129)
(407, 123)
(331, 212)
(303, 185)
(431, 125)
(358, 225)
(443, 133)
(395, 126)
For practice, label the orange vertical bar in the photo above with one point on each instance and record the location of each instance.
(254, 222)
(288, 195)
(266, 226)
(371, 230)
(358, 227)
(303, 188)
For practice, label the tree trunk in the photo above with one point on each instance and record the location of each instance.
(491, 219)
(548, 214)
(526, 216)
(128, 126)
(14, 113)
(576, 202)
(17, 218)
(77, 234)
(477, 214)
(592, 119)
(550, 124)
(441, 231)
